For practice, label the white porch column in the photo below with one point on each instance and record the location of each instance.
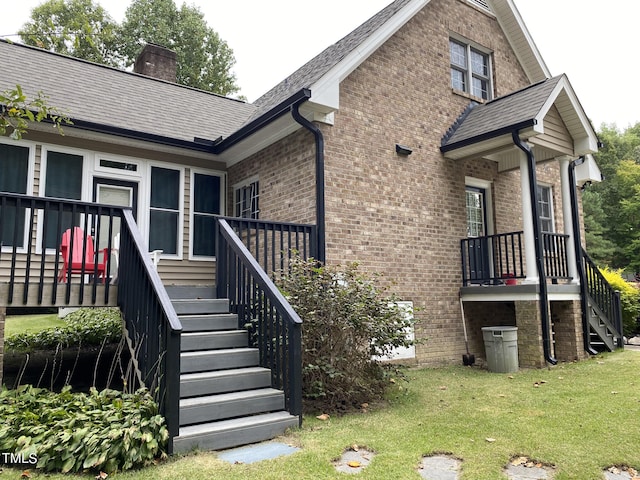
(527, 223)
(567, 214)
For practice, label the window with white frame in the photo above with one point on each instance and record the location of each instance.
(246, 196)
(63, 179)
(544, 196)
(206, 202)
(470, 70)
(164, 210)
(14, 174)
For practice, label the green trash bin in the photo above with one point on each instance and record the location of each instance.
(501, 347)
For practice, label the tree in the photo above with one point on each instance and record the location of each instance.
(204, 59)
(612, 208)
(16, 111)
(83, 29)
(79, 28)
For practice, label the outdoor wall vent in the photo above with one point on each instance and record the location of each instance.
(403, 149)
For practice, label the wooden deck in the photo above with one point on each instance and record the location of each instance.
(80, 295)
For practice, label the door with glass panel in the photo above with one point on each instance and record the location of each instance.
(109, 191)
(478, 250)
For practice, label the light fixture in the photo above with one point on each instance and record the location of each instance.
(403, 149)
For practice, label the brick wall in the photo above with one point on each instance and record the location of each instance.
(402, 216)
(530, 351)
(567, 319)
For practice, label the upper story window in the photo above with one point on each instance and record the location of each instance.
(246, 196)
(470, 70)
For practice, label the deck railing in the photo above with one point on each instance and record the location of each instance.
(499, 259)
(33, 273)
(246, 251)
(602, 294)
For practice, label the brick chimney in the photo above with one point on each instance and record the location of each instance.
(156, 61)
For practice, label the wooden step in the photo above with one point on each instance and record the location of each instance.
(213, 340)
(232, 433)
(213, 322)
(200, 306)
(177, 292)
(223, 359)
(223, 381)
(230, 405)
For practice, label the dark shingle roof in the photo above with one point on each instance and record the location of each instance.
(481, 121)
(107, 96)
(313, 70)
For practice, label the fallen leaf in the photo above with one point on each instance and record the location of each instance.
(365, 405)
(323, 417)
(392, 380)
(355, 447)
(502, 395)
(101, 476)
(536, 385)
(443, 387)
(519, 461)
(354, 464)
(490, 440)
(26, 474)
(614, 392)
(511, 377)
(238, 462)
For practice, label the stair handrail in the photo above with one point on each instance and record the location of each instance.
(229, 242)
(603, 295)
(152, 324)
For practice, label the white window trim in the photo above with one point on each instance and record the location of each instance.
(488, 197)
(85, 190)
(31, 168)
(117, 173)
(181, 226)
(223, 196)
(483, 50)
(245, 183)
(551, 204)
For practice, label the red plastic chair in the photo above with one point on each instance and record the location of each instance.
(73, 260)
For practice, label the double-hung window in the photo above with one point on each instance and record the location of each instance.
(545, 207)
(246, 196)
(14, 170)
(206, 203)
(164, 210)
(470, 70)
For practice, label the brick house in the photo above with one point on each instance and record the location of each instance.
(431, 144)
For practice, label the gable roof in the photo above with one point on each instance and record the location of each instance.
(524, 109)
(97, 96)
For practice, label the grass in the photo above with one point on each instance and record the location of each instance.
(31, 323)
(579, 417)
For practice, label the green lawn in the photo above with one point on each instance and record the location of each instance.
(580, 417)
(30, 323)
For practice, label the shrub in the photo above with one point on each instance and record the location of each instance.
(348, 321)
(629, 298)
(73, 432)
(87, 326)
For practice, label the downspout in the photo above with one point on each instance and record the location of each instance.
(320, 206)
(578, 248)
(537, 233)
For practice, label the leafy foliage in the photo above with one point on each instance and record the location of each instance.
(612, 207)
(16, 111)
(74, 432)
(349, 322)
(83, 29)
(87, 326)
(204, 60)
(78, 28)
(629, 298)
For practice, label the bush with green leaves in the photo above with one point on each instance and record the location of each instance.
(74, 432)
(349, 323)
(629, 298)
(84, 327)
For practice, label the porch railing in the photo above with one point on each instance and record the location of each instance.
(499, 259)
(33, 272)
(603, 296)
(32, 238)
(245, 253)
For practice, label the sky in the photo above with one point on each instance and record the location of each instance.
(592, 42)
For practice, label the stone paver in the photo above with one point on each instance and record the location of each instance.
(615, 473)
(522, 472)
(354, 461)
(440, 467)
